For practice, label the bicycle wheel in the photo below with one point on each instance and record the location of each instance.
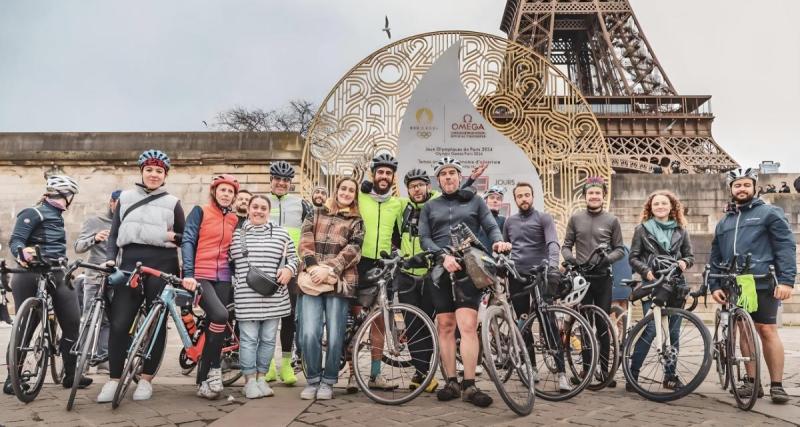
(744, 355)
(416, 346)
(564, 355)
(606, 334)
(56, 362)
(137, 353)
(29, 350)
(661, 372)
(86, 343)
(719, 352)
(229, 360)
(507, 360)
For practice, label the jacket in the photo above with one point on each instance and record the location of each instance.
(147, 225)
(98, 251)
(289, 211)
(645, 248)
(380, 220)
(41, 225)
(206, 240)
(762, 231)
(449, 210)
(408, 224)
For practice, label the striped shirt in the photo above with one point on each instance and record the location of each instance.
(266, 245)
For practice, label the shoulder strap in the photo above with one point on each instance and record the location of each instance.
(142, 202)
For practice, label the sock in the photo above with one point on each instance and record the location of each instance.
(375, 368)
(452, 380)
(467, 383)
(776, 384)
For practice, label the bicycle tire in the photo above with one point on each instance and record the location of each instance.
(739, 317)
(56, 362)
(719, 353)
(523, 405)
(21, 335)
(363, 332)
(704, 365)
(86, 345)
(612, 361)
(135, 359)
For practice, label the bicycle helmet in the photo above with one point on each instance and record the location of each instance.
(580, 286)
(446, 162)
(417, 174)
(154, 158)
(60, 184)
(741, 173)
(595, 181)
(225, 179)
(281, 169)
(384, 159)
(495, 189)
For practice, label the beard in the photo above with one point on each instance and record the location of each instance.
(743, 198)
(377, 187)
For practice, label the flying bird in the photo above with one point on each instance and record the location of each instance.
(387, 29)
(205, 124)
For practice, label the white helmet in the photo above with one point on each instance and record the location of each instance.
(579, 288)
(446, 162)
(741, 173)
(61, 184)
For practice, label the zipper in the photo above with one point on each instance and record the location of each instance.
(378, 236)
(736, 234)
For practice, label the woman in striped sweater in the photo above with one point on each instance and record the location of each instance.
(270, 249)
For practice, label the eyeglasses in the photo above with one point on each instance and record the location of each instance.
(417, 186)
(282, 179)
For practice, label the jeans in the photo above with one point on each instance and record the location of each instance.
(257, 344)
(90, 290)
(312, 313)
(643, 344)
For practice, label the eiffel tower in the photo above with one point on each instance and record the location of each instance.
(601, 47)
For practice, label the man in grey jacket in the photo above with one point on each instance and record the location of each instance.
(92, 239)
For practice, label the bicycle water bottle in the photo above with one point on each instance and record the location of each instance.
(723, 318)
(188, 321)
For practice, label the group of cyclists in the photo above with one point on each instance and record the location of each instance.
(319, 252)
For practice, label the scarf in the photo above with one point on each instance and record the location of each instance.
(380, 198)
(58, 203)
(662, 231)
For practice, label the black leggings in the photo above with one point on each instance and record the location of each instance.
(599, 294)
(214, 300)
(288, 324)
(126, 302)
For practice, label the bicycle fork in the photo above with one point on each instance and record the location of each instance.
(666, 351)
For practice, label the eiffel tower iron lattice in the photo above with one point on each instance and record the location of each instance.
(600, 46)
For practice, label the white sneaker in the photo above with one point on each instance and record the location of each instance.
(563, 384)
(107, 392)
(215, 380)
(380, 382)
(325, 392)
(309, 393)
(204, 391)
(266, 390)
(251, 390)
(478, 369)
(144, 390)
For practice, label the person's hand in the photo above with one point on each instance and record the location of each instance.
(650, 276)
(170, 236)
(284, 276)
(450, 264)
(682, 265)
(110, 263)
(101, 236)
(478, 170)
(27, 255)
(783, 292)
(501, 247)
(719, 296)
(317, 274)
(189, 284)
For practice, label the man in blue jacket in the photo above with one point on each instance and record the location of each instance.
(751, 226)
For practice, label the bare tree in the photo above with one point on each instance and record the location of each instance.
(294, 117)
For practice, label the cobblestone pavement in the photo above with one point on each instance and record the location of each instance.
(174, 403)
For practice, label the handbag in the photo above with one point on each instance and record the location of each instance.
(308, 287)
(257, 279)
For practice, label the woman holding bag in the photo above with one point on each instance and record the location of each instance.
(264, 260)
(330, 248)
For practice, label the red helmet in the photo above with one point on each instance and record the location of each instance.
(225, 179)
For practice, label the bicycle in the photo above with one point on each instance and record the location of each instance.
(35, 323)
(229, 359)
(737, 347)
(682, 346)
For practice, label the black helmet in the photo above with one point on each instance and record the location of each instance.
(282, 169)
(384, 159)
(416, 174)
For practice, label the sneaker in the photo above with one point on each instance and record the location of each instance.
(746, 390)
(251, 389)
(215, 380)
(672, 382)
(380, 382)
(629, 387)
(144, 390)
(563, 384)
(287, 374)
(83, 383)
(535, 376)
(416, 381)
(450, 391)
(612, 384)
(324, 392)
(107, 392)
(778, 395)
(352, 385)
(272, 374)
(204, 391)
(102, 368)
(476, 397)
(309, 392)
(266, 390)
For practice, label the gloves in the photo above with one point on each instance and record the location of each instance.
(366, 187)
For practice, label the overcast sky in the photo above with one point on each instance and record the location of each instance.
(150, 65)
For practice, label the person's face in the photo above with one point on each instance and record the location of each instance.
(523, 197)
(258, 212)
(153, 177)
(494, 201)
(449, 180)
(742, 190)
(319, 196)
(346, 193)
(661, 207)
(242, 200)
(418, 190)
(594, 197)
(112, 205)
(383, 178)
(280, 185)
(224, 194)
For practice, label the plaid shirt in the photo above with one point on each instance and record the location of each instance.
(334, 240)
